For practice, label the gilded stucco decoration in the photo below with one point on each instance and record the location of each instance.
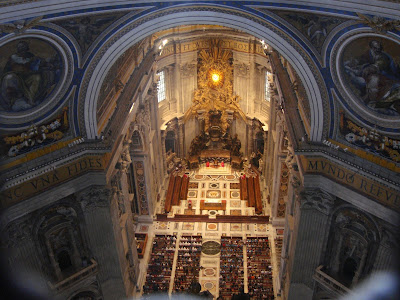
(379, 24)
(36, 136)
(19, 26)
(369, 140)
(215, 89)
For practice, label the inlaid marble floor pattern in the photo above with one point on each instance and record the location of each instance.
(208, 265)
(215, 188)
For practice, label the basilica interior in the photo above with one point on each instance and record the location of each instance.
(217, 149)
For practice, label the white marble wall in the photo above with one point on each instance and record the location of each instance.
(181, 81)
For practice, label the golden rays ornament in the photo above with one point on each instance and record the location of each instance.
(215, 86)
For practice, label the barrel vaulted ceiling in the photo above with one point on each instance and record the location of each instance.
(326, 42)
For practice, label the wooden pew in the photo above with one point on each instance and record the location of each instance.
(243, 188)
(250, 191)
(184, 188)
(257, 191)
(170, 191)
(177, 190)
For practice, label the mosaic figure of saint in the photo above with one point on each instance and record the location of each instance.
(377, 77)
(27, 79)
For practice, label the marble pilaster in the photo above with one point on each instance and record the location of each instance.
(95, 202)
(313, 222)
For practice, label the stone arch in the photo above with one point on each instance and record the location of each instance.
(155, 22)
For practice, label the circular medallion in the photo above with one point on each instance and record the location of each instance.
(235, 194)
(367, 75)
(209, 271)
(211, 248)
(209, 285)
(35, 72)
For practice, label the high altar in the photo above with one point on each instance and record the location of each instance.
(215, 106)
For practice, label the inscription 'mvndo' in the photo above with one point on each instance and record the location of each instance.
(372, 188)
(41, 183)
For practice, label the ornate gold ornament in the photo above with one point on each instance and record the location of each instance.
(19, 26)
(38, 135)
(379, 24)
(215, 89)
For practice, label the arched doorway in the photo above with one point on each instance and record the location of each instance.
(349, 269)
(64, 261)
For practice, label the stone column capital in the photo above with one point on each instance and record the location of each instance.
(181, 122)
(16, 231)
(95, 197)
(188, 69)
(317, 199)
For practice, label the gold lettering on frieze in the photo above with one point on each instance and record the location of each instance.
(371, 188)
(41, 183)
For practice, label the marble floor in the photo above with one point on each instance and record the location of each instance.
(209, 186)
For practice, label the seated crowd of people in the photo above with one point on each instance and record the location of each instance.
(231, 267)
(160, 264)
(231, 277)
(259, 270)
(188, 263)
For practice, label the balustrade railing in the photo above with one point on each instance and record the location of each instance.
(83, 273)
(330, 283)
